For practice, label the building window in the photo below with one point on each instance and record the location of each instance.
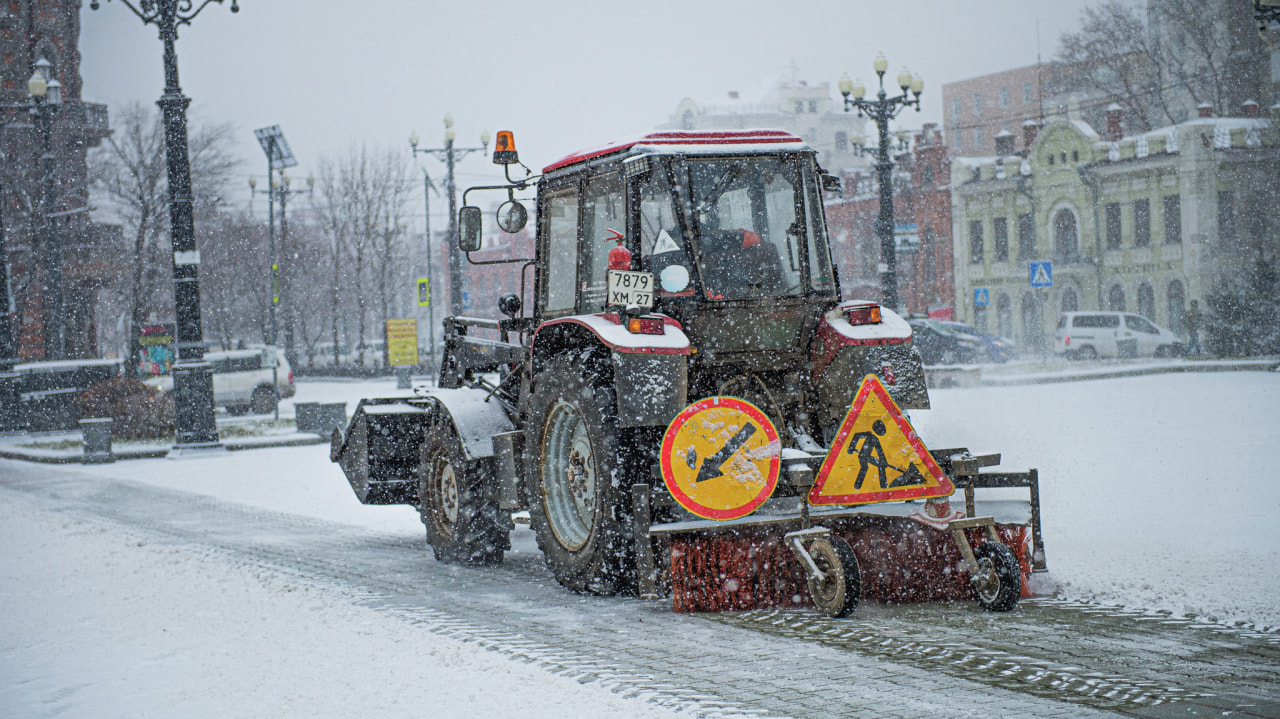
(1004, 97)
(1172, 219)
(842, 142)
(975, 241)
(930, 250)
(928, 176)
(1115, 298)
(1113, 226)
(977, 138)
(1075, 155)
(1065, 238)
(1004, 316)
(1070, 300)
(799, 106)
(1027, 95)
(958, 135)
(1141, 223)
(1177, 300)
(1000, 237)
(957, 109)
(1147, 301)
(977, 104)
(1050, 159)
(1226, 217)
(1026, 237)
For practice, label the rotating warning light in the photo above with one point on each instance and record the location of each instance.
(504, 149)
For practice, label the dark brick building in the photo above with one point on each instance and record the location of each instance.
(922, 214)
(49, 29)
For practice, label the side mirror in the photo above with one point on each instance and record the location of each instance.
(512, 217)
(469, 228)
(830, 183)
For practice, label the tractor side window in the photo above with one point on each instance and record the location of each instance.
(821, 277)
(603, 210)
(661, 243)
(562, 250)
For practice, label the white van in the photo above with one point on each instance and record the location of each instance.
(242, 379)
(1086, 335)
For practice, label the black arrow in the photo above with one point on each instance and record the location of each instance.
(711, 467)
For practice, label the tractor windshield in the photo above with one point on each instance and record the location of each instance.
(756, 220)
(754, 225)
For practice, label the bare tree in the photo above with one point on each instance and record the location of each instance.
(1158, 68)
(129, 170)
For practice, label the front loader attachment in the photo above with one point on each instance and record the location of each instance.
(379, 450)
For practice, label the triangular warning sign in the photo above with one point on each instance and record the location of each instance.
(877, 456)
(665, 244)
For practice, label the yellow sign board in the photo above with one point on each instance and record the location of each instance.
(402, 342)
(721, 457)
(877, 456)
(424, 292)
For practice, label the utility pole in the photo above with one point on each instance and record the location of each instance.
(450, 154)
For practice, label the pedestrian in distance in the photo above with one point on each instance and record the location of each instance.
(1192, 319)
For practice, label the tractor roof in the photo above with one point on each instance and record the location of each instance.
(692, 142)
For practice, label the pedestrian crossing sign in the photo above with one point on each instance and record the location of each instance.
(1041, 274)
(877, 456)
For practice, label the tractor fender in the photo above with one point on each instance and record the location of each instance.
(844, 353)
(476, 416)
(650, 371)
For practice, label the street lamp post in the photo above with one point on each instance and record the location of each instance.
(192, 375)
(450, 154)
(881, 110)
(8, 378)
(46, 99)
(427, 188)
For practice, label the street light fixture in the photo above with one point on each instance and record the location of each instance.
(192, 375)
(881, 110)
(450, 154)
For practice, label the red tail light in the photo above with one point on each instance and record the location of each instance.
(644, 325)
(866, 315)
(1066, 341)
(290, 376)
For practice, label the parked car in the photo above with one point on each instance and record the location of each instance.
(1086, 335)
(242, 379)
(944, 343)
(1000, 349)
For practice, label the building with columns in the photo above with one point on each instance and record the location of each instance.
(1144, 223)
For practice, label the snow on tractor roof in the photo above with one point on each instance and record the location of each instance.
(692, 142)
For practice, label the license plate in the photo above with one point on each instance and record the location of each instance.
(630, 288)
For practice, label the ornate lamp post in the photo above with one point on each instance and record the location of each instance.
(192, 376)
(881, 110)
(449, 154)
(45, 93)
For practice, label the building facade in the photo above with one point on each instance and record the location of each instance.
(1145, 223)
(49, 29)
(808, 111)
(922, 216)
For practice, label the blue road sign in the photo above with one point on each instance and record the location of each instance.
(1041, 273)
(981, 296)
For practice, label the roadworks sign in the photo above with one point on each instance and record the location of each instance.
(876, 456)
(721, 457)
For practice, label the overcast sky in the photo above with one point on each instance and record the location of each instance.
(562, 74)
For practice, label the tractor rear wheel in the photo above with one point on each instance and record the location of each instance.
(462, 526)
(837, 593)
(579, 501)
(998, 583)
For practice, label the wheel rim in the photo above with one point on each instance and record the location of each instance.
(827, 591)
(568, 476)
(987, 584)
(447, 496)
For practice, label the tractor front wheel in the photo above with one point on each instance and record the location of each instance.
(462, 526)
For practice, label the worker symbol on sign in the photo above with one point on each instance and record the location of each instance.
(871, 454)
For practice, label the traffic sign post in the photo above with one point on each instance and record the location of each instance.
(721, 458)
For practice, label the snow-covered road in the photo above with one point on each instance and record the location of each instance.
(1158, 493)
